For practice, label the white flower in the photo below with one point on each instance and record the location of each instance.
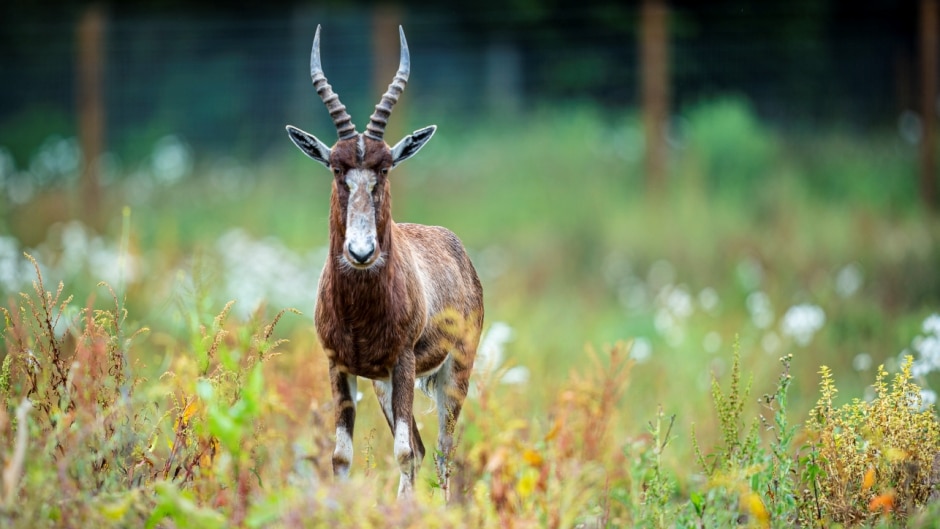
(928, 397)
(492, 344)
(265, 270)
(517, 376)
(14, 270)
(770, 342)
(920, 369)
(712, 342)
(862, 362)
(171, 160)
(932, 324)
(758, 305)
(708, 299)
(490, 355)
(679, 302)
(802, 321)
(641, 350)
(849, 280)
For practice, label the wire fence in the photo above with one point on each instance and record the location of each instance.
(230, 83)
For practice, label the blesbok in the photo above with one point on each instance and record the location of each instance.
(397, 302)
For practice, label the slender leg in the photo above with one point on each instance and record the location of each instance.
(383, 390)
(450, 393)
(407, 437)
(344, 400)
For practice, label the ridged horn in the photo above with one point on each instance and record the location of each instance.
(379, 119)
(343, 122)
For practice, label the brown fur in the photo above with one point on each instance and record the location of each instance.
(396, 302)
(419, 310)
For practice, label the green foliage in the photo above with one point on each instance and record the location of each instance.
(875, 458)
(180, 507)
(735, 151)
(74, 396)
(657, 509)
(225, 463)
(734, 469)
(22, 133)
(203, 424)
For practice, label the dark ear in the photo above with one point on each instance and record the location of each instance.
(310, 145)
(410, 145)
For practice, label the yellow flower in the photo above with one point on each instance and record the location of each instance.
(526, 485)
(756, 507)
(882, 502)
(869, 478)
(532, 457)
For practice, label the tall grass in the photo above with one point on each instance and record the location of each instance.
(210, 419)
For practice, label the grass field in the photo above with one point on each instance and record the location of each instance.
(649, 361)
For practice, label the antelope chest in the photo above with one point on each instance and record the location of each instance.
(368, 348)
(369, 360)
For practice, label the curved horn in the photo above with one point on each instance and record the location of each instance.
(344, 124)
(376, 127)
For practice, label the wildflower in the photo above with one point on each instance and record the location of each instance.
(756, 507)
(490, 353)
(712, 342)
(802, 321)
(679, 302)
(675, 307)
(932, 324)
(13, 270)
(928, 397)
(770, 342)
(259, 270)
(758, 306)
(869, 478)
(750, 273)
(171, 160)
(849, 280)
(883, 503)
(517, 376)
(532, 457)
(862, 362)
(641, 350)
(708, 299)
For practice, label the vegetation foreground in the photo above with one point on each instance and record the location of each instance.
(216, 442)
(150, 400)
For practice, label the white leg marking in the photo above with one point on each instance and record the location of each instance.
(343, 452)
(405, 456)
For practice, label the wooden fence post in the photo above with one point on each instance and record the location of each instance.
(654, 88)
(385, 56)
(928, 83)
(91, 110)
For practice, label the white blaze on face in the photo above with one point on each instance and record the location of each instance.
(360, 216)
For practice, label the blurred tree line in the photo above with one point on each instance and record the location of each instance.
(227, 75)
(840, 60)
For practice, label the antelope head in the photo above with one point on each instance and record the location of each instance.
(360, 163)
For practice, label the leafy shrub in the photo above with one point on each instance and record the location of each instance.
(734, 150)
(748, 479)
(875, 457)
(92, 445)
(65, 373)
(86, 440)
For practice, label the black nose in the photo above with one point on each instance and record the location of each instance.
(363, 257)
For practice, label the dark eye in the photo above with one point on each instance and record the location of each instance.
(385, 170)
(336, 171)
